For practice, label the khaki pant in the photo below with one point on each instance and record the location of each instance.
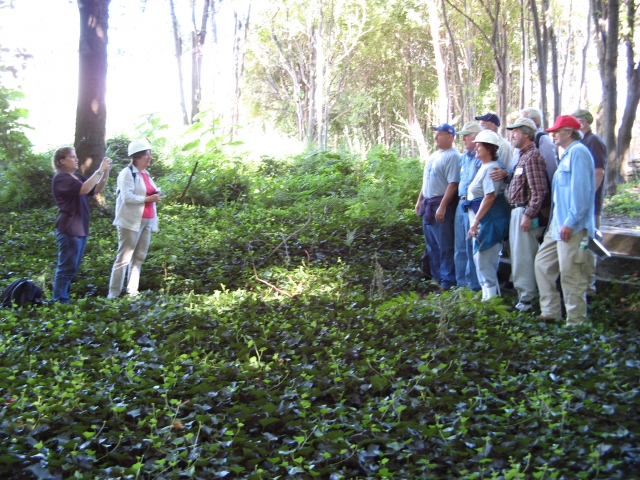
(567, 260)
(590, 267)
(524, 246)
(132, 251)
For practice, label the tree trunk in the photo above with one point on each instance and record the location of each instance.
(434, 27)
(606, 25)
(633, 96)
(557, 98)
(177, 40)
(523, 58)
(239, 52)
(583, 87)
(91, 112)
(541, 54)
(197, 44)
(457, 80)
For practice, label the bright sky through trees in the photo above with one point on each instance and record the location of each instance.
(142, 74)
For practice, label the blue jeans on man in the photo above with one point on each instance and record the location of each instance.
(465, 267)
(70, 252)
(440, 240)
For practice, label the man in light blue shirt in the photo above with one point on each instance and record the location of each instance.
(469, 165)
(564, 250)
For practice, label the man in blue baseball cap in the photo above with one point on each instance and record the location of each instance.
(491, 121)
(437, 205)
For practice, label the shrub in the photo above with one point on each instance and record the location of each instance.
(217, 180)
(26, 183)
(625, 202)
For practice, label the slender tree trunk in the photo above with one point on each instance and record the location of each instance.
(555, 84)
(177, 40)
(567, 51)
(633, 95)
(582, 100)
(321, 78)
(197, 44)
(458, 85)
(541, 54)
(434, 27)
(239, 52)
(412, 125)
(91, 112)
(523, 58)
(328, 73)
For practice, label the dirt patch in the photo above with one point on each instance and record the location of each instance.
(620, 221)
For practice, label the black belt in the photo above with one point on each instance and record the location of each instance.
(518, 205)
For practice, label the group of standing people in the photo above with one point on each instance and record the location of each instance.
(135, 217)
(547, 207)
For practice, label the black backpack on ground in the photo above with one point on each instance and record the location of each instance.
(21, 292)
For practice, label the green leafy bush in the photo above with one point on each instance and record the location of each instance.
(625, 202)
(26, 182)
(14, 145)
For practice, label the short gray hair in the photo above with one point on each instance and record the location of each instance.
(534, 114)
(528, 132)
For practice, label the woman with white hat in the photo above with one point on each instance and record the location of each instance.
(135, 219)
(488, 216)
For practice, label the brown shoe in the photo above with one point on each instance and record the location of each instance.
(542, 318)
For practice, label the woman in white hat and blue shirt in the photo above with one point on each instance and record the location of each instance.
(136, 217)
(489, 214)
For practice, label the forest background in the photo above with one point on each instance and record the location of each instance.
(341, 74)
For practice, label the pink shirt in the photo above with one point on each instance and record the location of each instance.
(148, 211)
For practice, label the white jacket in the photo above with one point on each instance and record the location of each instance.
(130, 200)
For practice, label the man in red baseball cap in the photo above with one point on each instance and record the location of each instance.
(572, 224)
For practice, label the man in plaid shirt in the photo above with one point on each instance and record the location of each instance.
(527, 190)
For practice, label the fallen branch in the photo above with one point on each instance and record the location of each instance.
(184, 192)
(268, 284)
(289, 236)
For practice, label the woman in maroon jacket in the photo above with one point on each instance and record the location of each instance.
(70, 190)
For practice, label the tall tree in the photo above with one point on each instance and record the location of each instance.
(434, 29)
(306, 57)
(198, 37)
(91, 112)
(177, 42)
(542, 54)
(633, 92)
(497, 37)
(550, 33)
(606, 22)
(239, 52)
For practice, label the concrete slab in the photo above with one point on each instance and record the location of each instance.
(621, 241)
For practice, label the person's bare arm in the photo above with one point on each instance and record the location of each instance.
(94, 179)
(449, 194)
(419, 202)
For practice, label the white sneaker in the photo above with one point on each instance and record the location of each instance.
(524, 306)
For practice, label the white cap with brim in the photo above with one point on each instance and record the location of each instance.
(470, 127)
(523, 122)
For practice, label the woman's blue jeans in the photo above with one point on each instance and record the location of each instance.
(70, 252)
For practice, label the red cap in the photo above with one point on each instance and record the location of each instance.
(565, 121)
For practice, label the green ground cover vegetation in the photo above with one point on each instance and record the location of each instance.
(285, 331)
